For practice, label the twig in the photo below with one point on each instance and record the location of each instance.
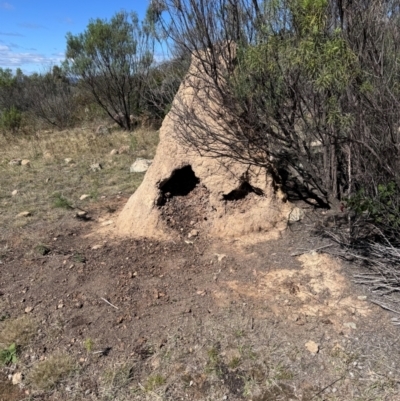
(109, 303)
(383, 306)
(311, 250)
(326, 387)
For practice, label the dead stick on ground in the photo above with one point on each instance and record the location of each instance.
(329, 385)
(385, 307)
(109, 303)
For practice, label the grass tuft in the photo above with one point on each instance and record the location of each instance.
(47, 374)
(18, 331)
(61, 202)
(153, 382)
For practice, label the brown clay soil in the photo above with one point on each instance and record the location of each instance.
(193, 320)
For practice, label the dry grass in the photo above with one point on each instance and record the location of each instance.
(18, 331)
(49, 178)
(48, 373)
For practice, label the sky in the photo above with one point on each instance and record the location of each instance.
(32, 33)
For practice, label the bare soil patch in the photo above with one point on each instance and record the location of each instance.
(151, 320)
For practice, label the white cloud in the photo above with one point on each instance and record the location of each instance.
(12, 59)
(6, 6)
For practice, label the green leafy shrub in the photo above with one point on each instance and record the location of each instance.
(11, 119)
(383, 208)
(8, 355)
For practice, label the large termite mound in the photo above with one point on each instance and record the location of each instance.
(187, 192)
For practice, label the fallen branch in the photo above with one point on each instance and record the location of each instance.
(109, 303)
(383, 306)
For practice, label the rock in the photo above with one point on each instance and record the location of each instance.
(60, 306)
(350, 325)
(95, 167)
(140, 165)
(296, 214)
(220, 256)
(15, 162)
(95, 247)
(114, 152)
(68, 160)
(26, 163)
(107, 223)
(193, 233)
(28, 309)
(14, 193)
(24, 214)
(102, 130)
(83, 197)
(123, 149)
(312, 347)
(82, 214)
(362, 297)
(16, 378)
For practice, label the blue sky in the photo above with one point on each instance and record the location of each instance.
(32, 33)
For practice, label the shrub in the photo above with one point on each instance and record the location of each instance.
(11, 119)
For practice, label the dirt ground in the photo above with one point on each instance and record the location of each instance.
(191, 319)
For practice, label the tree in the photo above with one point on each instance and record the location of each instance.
(53, 97)
(312, 86)
(113, 58)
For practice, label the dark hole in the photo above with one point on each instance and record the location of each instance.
(240, 193)
(180, 183)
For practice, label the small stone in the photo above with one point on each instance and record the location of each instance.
(94, 247)
(16, 378)
(107, 223)
(84, 196)
(114, 152)
(15, 162)
(24, 214)
(193, 233)
(28, 309)
(140, 165)
(95, 167)
(296, 214)
(14, 193)
(26, 163)
(362, 297)
(312, 347)
(81, 214)
(220, 256)
(350, 325)
(60, 306)
(68, 160)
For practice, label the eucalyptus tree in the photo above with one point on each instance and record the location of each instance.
(112, 59)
